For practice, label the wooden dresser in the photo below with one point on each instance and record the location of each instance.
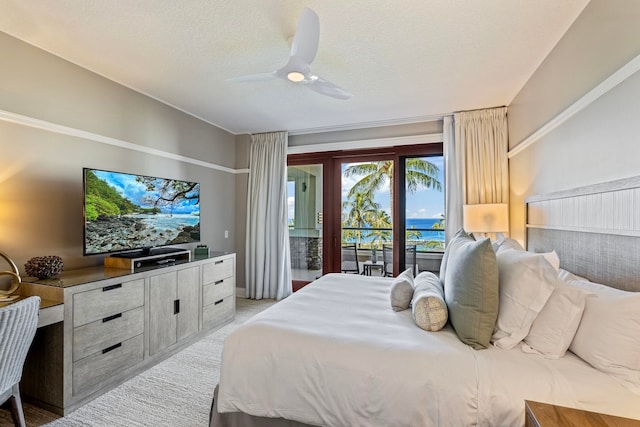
(545, 415)
(118, 323)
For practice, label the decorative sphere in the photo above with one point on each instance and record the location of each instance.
(44, 267)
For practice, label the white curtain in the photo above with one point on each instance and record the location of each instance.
(453, 178)
(268, 264)
(476, 144)
(485, 141)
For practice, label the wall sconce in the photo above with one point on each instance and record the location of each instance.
(486, 218)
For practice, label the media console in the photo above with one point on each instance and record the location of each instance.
(118, 322)
(147, 262)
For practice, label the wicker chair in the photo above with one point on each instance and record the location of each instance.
(18, 323)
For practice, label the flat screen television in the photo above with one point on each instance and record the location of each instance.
(128, 214)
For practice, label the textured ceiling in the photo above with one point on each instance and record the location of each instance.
(403, 61)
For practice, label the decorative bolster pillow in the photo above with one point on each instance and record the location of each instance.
(427, 305)
(402, 290)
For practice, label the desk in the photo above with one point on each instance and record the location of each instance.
(368, 266)
(50, 311)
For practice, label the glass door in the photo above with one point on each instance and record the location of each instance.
(366, 216)
(305, 219)
(424, 212)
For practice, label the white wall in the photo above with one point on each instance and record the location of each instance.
(598, 144)
(41, 171)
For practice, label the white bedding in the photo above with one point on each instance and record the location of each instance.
(335, 353)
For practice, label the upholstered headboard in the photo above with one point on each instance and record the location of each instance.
(595, 230)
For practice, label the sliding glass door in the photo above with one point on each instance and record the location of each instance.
(366, 215)
(366, 211)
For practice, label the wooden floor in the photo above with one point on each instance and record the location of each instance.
(33, 415)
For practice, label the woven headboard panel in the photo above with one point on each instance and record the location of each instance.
(595, 230)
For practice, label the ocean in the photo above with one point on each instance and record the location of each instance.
(423, 237)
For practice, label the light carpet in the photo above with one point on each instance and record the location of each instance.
(176, 392)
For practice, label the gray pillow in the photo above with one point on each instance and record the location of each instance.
(402, 290)
(427, 305)
(471, 290)
(445, 257)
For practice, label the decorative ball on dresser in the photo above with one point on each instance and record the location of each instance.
(44, 267)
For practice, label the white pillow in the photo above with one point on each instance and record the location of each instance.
(608, 337)
(506, 243)
(428, 307)
(402, 290)
(526, 282)
(556, 325)
(553, 259)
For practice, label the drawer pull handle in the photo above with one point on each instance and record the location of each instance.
(113, 347)
(219, 262)
(112, 287)
(218, 302)
(176, 306)
(218, 282)
(110, 318)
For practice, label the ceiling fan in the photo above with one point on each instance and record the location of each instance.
(303, 52)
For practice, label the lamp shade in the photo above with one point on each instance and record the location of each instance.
(486, 218)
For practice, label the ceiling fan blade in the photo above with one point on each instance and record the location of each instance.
(260, 77)
(306, 39)
(325, 87)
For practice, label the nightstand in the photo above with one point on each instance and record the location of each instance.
(545, 415)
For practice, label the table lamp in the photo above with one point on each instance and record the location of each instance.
(486, 218)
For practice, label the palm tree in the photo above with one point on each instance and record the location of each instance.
(413, 234)
(418, 173)
(359, 209)
(382, 222)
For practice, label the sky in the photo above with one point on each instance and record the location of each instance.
(127, 186)
(421, 204)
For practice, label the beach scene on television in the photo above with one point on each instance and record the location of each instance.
(126, 211)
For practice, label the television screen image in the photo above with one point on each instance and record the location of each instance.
(128, 212)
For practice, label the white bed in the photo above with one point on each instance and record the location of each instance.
(336, 354)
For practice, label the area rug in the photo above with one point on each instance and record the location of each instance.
(176, 392)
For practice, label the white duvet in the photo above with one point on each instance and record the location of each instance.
(336, 354)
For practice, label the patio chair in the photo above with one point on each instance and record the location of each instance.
(410, 259)
(350, 263)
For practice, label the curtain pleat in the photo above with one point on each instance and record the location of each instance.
(268, 263)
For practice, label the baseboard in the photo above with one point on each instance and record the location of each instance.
(241, 293)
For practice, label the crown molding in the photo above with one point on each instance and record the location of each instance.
(366, 143)
(366, 125)
(626, 71)
(32, 122)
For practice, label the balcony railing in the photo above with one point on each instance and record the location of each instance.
(425, 239)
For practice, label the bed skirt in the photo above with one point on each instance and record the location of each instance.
(240, 419)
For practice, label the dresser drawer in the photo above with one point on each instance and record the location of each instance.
(212, 292)
(101, 334)
(217, 270)
(92, 372)
(217, 312)
(103, 302)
